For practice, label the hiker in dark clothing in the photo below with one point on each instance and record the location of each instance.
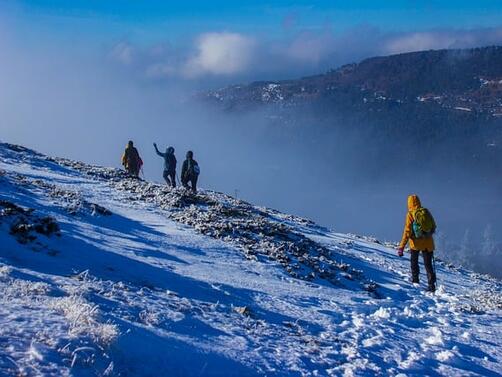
(131, 160)
(169, 165)
(190, 172)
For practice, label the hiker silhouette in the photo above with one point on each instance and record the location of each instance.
(131, 160)
(190, 172)
(170, 162)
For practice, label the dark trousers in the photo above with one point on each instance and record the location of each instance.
(133, 171)
(170, 177)
(415, 269)
(192, 179)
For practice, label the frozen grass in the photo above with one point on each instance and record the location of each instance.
(4, 271)
(84, 319)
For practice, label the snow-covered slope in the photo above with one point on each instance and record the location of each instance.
(105, 275)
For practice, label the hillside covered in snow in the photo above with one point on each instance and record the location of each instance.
(104, 275)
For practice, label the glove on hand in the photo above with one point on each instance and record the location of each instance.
(400, 252)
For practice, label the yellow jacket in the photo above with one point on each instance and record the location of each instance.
(124, 157)
(130, 154)
(421, 244)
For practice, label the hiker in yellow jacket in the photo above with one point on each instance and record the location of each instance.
(418, 230)
(131, 160)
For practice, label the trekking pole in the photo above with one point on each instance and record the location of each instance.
(143, 174)
(434, 268)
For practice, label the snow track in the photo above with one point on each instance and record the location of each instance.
(145, 281)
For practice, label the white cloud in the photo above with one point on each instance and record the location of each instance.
(441, 39)
(416, 42)
(122, 52)
(230, 56)
(221, 54)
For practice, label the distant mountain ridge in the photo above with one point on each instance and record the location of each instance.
(459, 80)
(445, 104)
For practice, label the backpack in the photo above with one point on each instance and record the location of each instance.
(192, 168)
(196, 169)
(131, 157)
(423, 223)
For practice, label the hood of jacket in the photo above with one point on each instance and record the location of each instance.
(414, 203)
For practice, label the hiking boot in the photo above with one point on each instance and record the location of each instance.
(431, 288)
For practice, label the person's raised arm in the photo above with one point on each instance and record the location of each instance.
(157, 150)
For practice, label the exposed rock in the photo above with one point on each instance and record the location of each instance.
(25, 225)
(243, 310)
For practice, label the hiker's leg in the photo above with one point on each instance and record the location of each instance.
(184, 182)
(133, 171)
(430, 269)
(415, 271)
(194, 183)
(173, 178)
(166, 177)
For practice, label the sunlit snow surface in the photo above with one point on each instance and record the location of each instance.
(140, 293)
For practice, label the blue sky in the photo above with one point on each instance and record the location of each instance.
(151, 20)
(220, 41)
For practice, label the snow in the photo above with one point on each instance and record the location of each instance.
(382, 313)
(111, 276)
(436, 337)
(445, 355)
(272, 92)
